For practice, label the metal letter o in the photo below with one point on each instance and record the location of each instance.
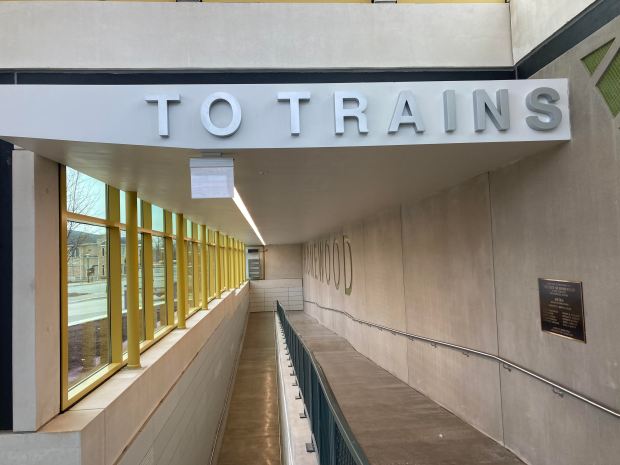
(205, 114)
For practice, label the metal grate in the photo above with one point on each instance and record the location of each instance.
(609, 82)
(594, 59)
(609, 85)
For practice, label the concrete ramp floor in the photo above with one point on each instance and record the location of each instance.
(394, 423)
(252, 433)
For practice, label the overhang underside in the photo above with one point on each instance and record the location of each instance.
(293, 195)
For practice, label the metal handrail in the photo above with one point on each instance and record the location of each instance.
(332, 403)
(507, 364)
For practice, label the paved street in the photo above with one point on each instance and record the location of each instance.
(88, 302)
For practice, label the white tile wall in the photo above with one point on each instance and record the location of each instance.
(265, 293)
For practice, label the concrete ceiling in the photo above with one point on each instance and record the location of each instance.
(293, 195)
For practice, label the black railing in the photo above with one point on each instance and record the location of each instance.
(332, 436)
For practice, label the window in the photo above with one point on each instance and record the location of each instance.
(212, 264)
(201, 300)
(159, 281)
(175, 280)
(97, 275)
(189, 248)
(87, 295)
(123, 261)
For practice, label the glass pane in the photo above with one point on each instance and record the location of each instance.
(174, 224)
(85, 195)
(212, 270)
(139, 213)
(199, 271)
(124, 286)
(190, 274)
(123, 210)
(188, 228)
(87, 292)
(141, 290)
(174, 278)
(159, 281)
(157, 217)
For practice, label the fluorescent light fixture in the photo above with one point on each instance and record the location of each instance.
(246, 214)
(212, 177)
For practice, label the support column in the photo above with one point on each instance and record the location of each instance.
(6, 291)
(114, 274)
(218, 266)
(169, 269)
(181, 271)
(131, 253)
(204, 273)
(147, 273)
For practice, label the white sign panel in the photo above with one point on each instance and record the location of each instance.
(243, 116)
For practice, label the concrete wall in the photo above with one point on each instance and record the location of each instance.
(462, 267)
(166, 412)
(283, 261)
(139, 35)
(265, 293)
(534, 21)
(36, 291)
(557, 215)
(183, 429)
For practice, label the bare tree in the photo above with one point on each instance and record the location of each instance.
(82, 197)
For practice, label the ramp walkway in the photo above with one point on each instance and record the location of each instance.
(252, 433)
(393, 423)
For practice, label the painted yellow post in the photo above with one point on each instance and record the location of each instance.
(181, 271)
(231, 262)
(169, 269)
(204, 275)
(147, 273)
(218, 266)
(114, 268)
(197, 266)
(64, 296)
(239, 263)
(239, 280)
(131, 254)
(243, 264)
(225, 267)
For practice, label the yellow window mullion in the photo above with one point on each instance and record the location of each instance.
(218, 266)
(204, 273)
(133, 287)
(114, 267)
(169, 269)
(237, 264)
(243, 263)
(181, 271)
(64, 298)
(147, 273)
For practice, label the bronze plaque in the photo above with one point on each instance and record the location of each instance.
(561, 308)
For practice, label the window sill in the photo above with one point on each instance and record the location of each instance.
(110, 416)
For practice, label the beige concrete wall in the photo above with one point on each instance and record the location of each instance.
(462, 267)
(265, 293)
(184, 429)
(557, 215)
(229, 36)
(449, 296)
(282, 261)
(534, 21)
(36, 287)
(166, 412)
